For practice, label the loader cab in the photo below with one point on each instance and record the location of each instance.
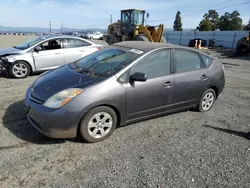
(130, 18)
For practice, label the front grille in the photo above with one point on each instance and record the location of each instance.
(35, 99)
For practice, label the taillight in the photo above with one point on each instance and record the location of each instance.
(99, 48)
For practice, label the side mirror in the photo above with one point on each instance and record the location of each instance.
(147, 15)
(37, 48)
(138, 76)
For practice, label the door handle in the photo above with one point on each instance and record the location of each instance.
(81, 50)
(204, 77)
(58, 53)
(168, 84)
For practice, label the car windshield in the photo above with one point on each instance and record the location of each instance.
(105, 62)
(30, 43)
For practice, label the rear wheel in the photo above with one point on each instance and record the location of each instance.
(207, 100)
(98, 124)
(242, 49)
(141, 38)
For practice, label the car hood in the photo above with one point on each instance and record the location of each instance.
(9, 51)
(57, 80)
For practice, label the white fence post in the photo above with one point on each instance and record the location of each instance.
(180, 38)
(234, 39)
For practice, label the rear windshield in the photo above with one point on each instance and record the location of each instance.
(105, 62)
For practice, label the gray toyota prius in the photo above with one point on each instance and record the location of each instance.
(120, 84)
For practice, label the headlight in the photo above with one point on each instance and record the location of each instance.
(63, 97)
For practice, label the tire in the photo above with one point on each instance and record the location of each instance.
(141, 38)
(97, 129)
(242, 49)
(19, 69)
(209, 96)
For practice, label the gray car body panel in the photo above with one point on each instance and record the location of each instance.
(129, 101)
(13, 55)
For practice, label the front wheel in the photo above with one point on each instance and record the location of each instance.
(19, 69)
(98, 124)
(207, 100)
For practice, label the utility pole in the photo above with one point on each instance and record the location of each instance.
(111, 19)
(62, 28)
(49, 26)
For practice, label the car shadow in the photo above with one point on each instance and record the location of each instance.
(16, 122)
(245, 135)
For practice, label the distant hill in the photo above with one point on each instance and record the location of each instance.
(42, 29)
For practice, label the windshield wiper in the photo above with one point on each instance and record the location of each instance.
(88, 72)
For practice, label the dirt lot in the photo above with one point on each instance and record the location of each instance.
(186, 149)
(12, 40)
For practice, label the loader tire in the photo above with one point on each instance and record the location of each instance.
(242, 49)
(141, 38)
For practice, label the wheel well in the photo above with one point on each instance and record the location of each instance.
(27, 63)
(110, 106)
(116, 111)
(215, 89)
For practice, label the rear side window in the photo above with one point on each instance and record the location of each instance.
(75, 43)
(186, 61)
(206, 60)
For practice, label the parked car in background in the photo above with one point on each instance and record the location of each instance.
(44, 53)
(122, 83)
(96, 35)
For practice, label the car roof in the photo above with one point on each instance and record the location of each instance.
(59, 36)
(148, 46)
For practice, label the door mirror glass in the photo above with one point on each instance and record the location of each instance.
(138, 76)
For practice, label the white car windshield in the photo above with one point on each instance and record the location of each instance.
(30, 43)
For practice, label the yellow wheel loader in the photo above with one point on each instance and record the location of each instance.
(131, 27)
(243, 45)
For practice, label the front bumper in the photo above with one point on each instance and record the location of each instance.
(53, 123)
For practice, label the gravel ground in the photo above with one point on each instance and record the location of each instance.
(186, 149)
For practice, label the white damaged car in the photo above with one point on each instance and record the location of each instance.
(44, 53)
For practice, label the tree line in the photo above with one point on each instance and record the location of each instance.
(212, 22)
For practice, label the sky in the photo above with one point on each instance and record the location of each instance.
(83, 14)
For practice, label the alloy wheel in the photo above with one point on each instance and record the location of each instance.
(19, 70)
(100, 124)
(207, 101)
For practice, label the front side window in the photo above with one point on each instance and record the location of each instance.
(105, 62)
(155, 65)
(54, 44)
(186, 61)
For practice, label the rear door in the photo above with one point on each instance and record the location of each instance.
(51, 55)
(191, 77)
(75, 49)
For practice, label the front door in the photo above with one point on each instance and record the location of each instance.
(155, 94)
(191, 79)
(75, 49)
(50, 56)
